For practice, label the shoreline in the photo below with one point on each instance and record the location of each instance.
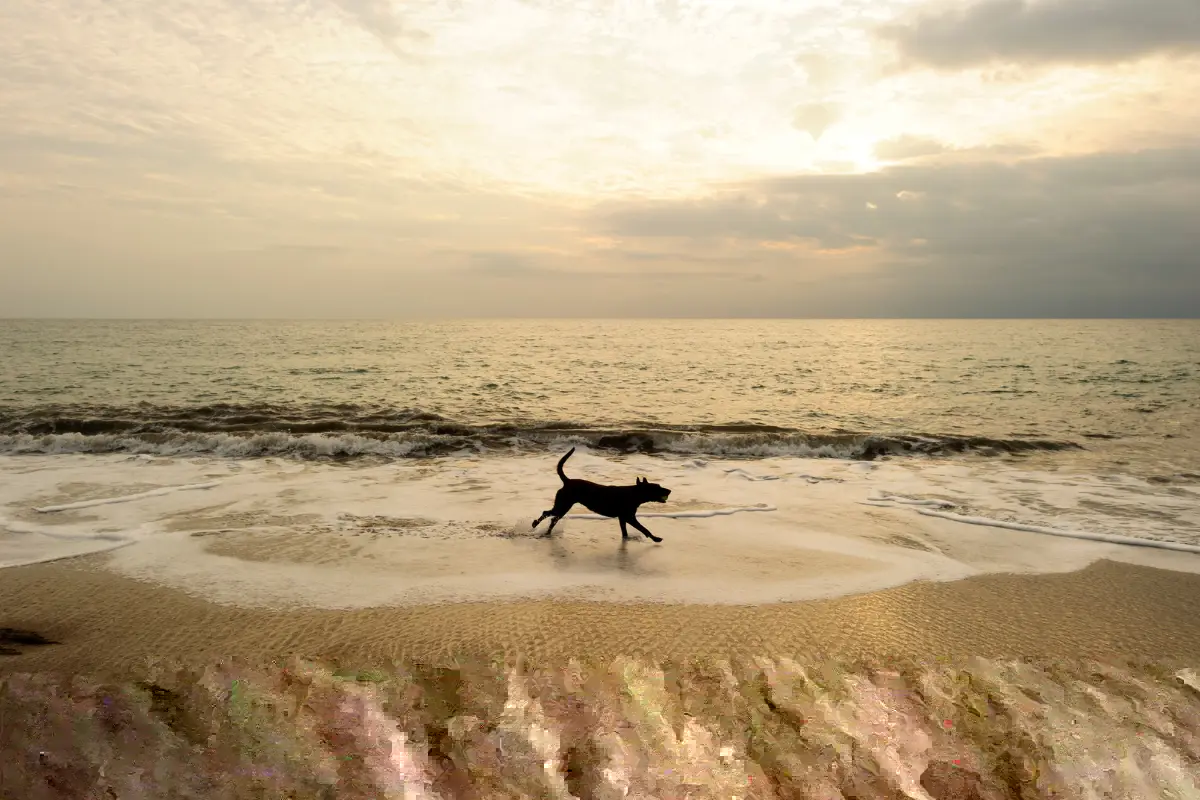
(106, 624)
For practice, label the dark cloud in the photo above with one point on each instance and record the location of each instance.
(519, 264)
(499, 262)
(1082, 235)
(1049, 31)
(677, 255)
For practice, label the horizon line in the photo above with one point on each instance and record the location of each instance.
(602, 319)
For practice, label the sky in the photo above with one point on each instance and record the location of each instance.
(599, 158)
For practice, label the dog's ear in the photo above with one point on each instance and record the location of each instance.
(641, 480)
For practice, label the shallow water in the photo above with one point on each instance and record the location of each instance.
(285, 532)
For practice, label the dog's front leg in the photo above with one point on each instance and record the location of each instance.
(633, 521)
(624, 530)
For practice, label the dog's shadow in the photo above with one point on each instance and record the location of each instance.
(627, 558)
(629, 562)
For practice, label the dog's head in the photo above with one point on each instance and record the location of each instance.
(652, 491)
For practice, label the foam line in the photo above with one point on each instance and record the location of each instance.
(749, 476)
(72, 537)
(46, 558)
(30, 545)
(1095, 537)
(714, 512)
(102, 501)
(815, 478)
(883, 497)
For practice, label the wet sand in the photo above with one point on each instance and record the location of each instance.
(108, 624)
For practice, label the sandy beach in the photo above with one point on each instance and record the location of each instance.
(110, 624)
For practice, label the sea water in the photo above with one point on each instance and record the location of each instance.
(243, 459)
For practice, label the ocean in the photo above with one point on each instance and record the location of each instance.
(1026, 431)
(1116, 395)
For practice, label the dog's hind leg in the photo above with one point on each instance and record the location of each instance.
(562, 504)
(553, 522)
(633, 521)
(555, 515)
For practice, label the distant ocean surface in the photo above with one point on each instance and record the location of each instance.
(1118, 393)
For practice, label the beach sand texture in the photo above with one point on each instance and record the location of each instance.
(107, 624)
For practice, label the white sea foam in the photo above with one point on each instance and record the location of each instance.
(1094, 537)
(882, 497)
(125, 498)
(934, 508)
(26, 545)
(268, 532)
(741, 473)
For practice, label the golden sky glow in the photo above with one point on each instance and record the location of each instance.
(419, 145)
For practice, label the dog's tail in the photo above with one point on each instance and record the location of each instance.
(562, 461)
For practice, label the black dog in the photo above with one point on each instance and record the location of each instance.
(608, 501)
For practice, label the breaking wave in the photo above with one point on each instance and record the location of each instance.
(350, 431)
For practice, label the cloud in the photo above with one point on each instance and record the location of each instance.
(521, 263)
(816, 118)
(186, 146)
(500, 262)
(907, 147)
(910, 148)
(1049, 31)
(381, 19)
(1073, 236)
(299, 250)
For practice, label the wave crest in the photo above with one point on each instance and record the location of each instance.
(349, 431)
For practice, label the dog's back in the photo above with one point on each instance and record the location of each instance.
(595, 497)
